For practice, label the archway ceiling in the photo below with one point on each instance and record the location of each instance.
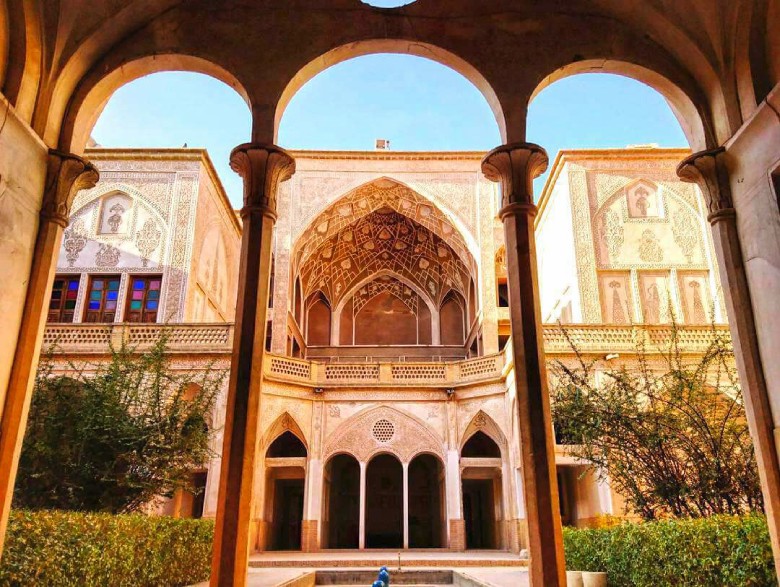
(379, 243)
(380, 193)
(263, 45)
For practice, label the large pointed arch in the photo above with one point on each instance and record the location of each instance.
(482, 422)
(373, 195)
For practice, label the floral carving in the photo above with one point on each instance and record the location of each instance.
(117, 211)
(147, 240)
(334, 412)
(612, 233)
(74, 241)
(650, 250)
(685, 234)
(107, 256)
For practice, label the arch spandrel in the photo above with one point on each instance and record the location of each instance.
(383, 429)
(482, 422)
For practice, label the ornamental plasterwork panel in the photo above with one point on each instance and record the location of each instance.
(616, 297)
(583, 243)
(310, 195)
(285, 422)
(493, 407)
(298, 411)
(384, 241)
(457, 193)
(367, 199)
(383, 429)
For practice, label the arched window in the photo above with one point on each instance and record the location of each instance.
(452, 319)
(318, 320)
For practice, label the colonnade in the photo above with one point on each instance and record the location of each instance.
(739, 193)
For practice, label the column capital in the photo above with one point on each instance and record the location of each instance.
(66, 174)
(263, 167)
(707, 169)
(515, 166)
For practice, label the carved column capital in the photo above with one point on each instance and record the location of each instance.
(707, 169)
(66, 174)
(262, 168)
(515, 166)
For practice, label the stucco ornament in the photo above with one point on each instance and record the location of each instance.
(107, 256)
(685, 233)
(147, 240)
(650, 250)
(117, 211)
(74, 241)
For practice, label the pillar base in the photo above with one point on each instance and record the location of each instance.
(458, 535)
(309, 535)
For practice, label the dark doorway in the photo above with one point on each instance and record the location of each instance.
(286, 445)
(425, 502)
(480, 445)
(384, 503)
(199, 493)
(342, 490)
(288, 513)
(479, 513)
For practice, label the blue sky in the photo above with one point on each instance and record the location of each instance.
(414, 102)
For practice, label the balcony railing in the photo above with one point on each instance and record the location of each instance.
(70, 339)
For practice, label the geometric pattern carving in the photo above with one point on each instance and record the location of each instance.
(383, 429)
(384, 241)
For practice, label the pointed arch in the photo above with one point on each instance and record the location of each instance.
(284, 423)
(369, 197)
(482, 422)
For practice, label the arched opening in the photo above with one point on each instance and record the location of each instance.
(453, 319)
(427, 513)
(482, 492)
(318, 320)
(341, 502)
(285, 462)
(384, 502)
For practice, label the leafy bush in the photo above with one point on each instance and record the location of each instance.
(715, 551)
(67, 548)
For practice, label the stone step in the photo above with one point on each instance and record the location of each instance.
(336, 562)
(408, 578)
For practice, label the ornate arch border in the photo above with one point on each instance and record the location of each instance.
(411, 437)
(482, 422)
(284, 423)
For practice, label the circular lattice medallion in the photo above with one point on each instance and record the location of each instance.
(383, 430)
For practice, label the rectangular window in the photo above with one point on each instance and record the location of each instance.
(143, 299)
(63, 298)
(102, 299)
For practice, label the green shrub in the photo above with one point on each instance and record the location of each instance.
(715, 551)
(67, 548)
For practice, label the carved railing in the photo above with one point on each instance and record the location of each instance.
(217, 339)
(95, 338)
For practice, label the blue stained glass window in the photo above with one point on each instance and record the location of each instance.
(73, 285)
(94, 305)
(112, 295)
(135, 305)
(153, 295)
(94, 295)
(113, 284)
(138, 284)
(151, 304)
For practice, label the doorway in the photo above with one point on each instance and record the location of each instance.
(341, 497)
(479, 513)
(288, 514)
(384, 502)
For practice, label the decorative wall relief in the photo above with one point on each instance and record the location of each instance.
(656, 297)
(74, 241)
(643, 201)
(650, 250)
(616, 297)
(695, 297)
(685, 233)
(612, 233)
(147, 240)
(107, 256)
(114, 214)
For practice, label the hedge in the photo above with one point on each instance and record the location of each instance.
(716, 551)
(66, 548)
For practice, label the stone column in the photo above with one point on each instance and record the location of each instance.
(66, 174)
(406, 504)
(515, 166)
(362, 526)
(262, 167)
(708, 170)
